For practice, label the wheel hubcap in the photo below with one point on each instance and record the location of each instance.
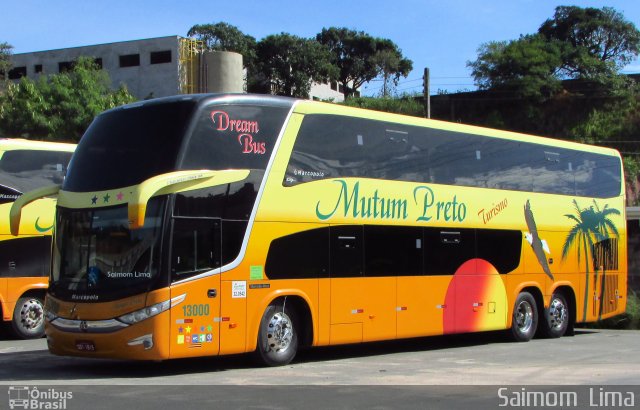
(557, 314)
(524, 317)
(31, 314)
(279, 332)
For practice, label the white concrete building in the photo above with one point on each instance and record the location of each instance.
(155, 67)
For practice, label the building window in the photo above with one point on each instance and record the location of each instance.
(160, 57)
(17, 72)
(334, 85)
(37, 68)
(98, 61)
(64, 66)
(130, 60)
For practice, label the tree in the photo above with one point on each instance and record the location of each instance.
(596, 41)
(287, 64)
(5, 62)
(359, 57)
(527, 67)
(391, 66)
(225, 37)
(577, 43)
(61, 106)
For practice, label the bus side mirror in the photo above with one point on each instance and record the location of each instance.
(175, 182)
(23, 200)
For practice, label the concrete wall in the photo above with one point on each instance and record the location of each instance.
(144, 80)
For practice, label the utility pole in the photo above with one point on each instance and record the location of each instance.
(427, 95)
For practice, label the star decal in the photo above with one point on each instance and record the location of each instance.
(94, 200)
(120, 196)
(188, 328)
(209, 328)
(180, 329)
(106, 198)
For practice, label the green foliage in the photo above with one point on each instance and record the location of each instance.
(596, 41)
(288, 64)
(577, 43)
(226, 37)
(405, 106)
(360, 57)
(5, 62)
(527, 67)
(59, 107)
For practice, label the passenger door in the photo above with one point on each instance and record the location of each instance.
(195, 252)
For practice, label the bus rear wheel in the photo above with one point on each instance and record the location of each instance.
(278, 337)
(28, 318)
(556, 317)
(525, 318)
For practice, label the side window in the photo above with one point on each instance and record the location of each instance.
(194, 246)
(393, 251)
(503, 165)
(328, 146)
(553, 170)
(597, 176)
(300, 255)
(347, 251)
(234, 137)
(332, 146)
(447, 249)
(24, 170)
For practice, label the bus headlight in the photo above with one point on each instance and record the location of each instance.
(145, 313)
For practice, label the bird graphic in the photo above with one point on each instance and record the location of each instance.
(539, 246)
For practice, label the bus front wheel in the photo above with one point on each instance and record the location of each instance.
(28, 318)
(278, 338)
(525, 318)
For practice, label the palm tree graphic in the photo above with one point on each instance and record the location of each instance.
(592, 225)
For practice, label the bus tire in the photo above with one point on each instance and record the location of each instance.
(28, 318)
(525, 318)
(556, 317)
(278, 336)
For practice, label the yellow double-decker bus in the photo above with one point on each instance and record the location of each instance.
(25, 259)
(218, 224)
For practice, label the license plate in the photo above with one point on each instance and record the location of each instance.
(85, 346)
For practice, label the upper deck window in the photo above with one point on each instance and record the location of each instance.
(330, 146)
(124, 147)
(234, 137)
(25, 170)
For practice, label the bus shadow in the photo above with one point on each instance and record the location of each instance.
(41, 365)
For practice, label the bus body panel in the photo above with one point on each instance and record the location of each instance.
(195, 322)
(25, 259)
(470, 251)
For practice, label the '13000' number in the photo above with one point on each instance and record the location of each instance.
(195, 310)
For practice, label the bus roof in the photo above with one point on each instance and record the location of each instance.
(10, 144)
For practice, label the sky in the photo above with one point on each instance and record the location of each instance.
(440, 35)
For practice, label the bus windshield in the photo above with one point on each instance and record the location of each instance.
(125, 146)
(23, 170)
(97, 256)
